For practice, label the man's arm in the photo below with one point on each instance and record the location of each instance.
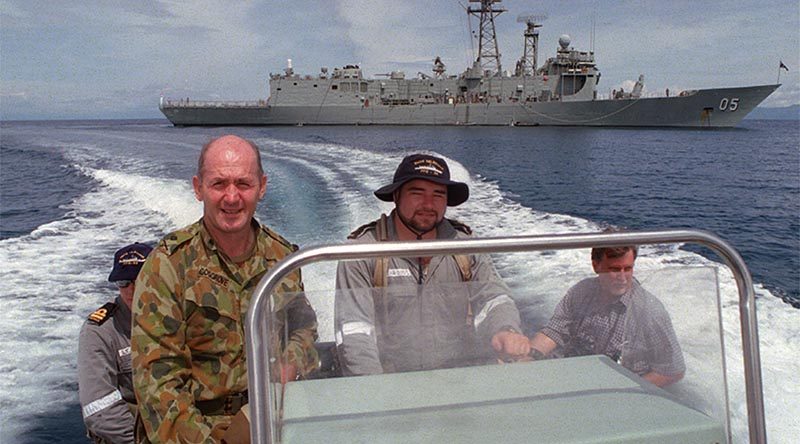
(542, 346)
(161, 359)
(667, 366)
(299, 351)
(105, 413)
(354, 319)
(662, 380)
(497, 317)
(557, 330)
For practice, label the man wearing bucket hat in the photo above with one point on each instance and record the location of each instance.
(104, 356)
(403, 314)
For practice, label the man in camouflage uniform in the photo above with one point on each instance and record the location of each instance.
(104, 356)
(189, 357)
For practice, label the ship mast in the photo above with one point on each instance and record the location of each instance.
(528, 61)
(488, 51)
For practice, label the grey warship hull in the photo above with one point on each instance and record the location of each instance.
(701, 108)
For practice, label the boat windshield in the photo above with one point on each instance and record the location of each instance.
(627, 357)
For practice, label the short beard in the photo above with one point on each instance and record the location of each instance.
(419, 231)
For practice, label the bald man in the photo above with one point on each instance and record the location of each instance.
(192, 295)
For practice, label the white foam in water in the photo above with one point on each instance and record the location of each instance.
(55, 276)
(353, 181)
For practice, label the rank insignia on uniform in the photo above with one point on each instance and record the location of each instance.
(102, 314)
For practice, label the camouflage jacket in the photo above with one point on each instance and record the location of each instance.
(187, 342)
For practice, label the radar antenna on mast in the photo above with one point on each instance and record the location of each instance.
(438, 68)
(528, 63)
(488, 51)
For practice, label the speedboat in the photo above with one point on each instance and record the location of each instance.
(588, 398)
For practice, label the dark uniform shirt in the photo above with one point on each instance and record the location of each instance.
(104, 373)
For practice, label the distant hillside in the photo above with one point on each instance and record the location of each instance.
(785, 113)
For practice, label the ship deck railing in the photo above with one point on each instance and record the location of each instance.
(259, 317)
(186, 103)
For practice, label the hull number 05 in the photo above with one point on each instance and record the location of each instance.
(727, 104)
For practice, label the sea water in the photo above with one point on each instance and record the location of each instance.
(74, 192)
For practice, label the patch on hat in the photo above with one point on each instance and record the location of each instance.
(131, 258)
(428, 166)
(128, 261)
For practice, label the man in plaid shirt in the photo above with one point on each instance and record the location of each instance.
(612, 314)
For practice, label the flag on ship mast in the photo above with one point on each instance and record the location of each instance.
(780, 67)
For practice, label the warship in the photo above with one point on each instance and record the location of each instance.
(561, 92)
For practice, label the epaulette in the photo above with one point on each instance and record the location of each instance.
(174, 240)
(281, 240)
(102, 314)
(460, 226)
(358, 232)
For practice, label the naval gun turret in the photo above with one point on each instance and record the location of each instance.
(637, 88)
(634, 94)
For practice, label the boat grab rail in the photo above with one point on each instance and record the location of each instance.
(258, 320)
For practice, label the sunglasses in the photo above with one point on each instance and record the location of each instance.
(123, 284)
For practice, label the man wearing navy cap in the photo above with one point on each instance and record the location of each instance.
(104, 356)
(402, 314)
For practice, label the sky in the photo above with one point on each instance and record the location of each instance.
(114, 59)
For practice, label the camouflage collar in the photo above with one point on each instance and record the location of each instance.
(209, 241)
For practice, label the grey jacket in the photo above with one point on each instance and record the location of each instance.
(422, 321)
(105, 387)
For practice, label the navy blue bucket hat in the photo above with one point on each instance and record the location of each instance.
(427, 167)
(128, 261)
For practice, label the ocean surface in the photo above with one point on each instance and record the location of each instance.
(73, 192)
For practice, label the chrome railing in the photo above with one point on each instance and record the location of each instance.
(258, 316)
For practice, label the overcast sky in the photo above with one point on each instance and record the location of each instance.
(115, 58)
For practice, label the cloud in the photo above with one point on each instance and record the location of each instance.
(388, 34)
(10, 94)
(786, 95)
